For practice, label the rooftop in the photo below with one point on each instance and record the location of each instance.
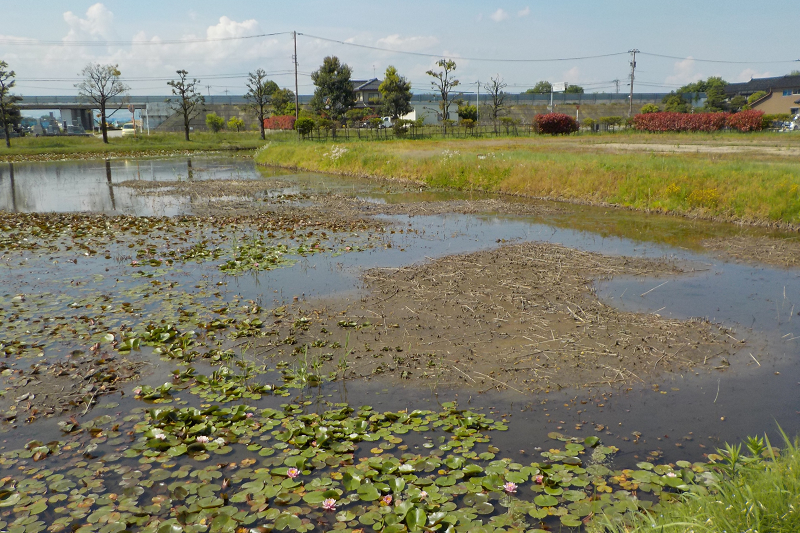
(763, 84)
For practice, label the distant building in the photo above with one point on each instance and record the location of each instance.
(783, 93)
(367, 93)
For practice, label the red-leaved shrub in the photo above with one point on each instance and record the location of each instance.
(556, 124)
(750, 120)
(279, 122)
(668, 121)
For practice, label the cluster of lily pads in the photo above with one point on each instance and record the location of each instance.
(309, 466)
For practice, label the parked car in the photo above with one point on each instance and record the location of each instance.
(128, 129)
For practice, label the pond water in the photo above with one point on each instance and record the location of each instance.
(686, 417)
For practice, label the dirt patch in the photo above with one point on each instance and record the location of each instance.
(202, 188)
(695, 148)
(757, 250)
(71, 385)
(522, 317)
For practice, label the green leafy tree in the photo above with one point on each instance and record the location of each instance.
(9, 111)
(737, 103)
(649, 108)
(304, 126)
(395, 93)
(259, 94)
(574, 89)
(714, 87)
(756, 96)
(100, 84)
(283, 102)
(794, 73)
(542, 87)
(675, 103)
(215, 122)
(468, 112)
(334, 94)
(188, 102)
(235, 123)
(444, 82)
(357, 116)
(497, 98)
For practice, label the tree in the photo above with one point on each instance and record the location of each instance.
(574, 89)
(444, 83)
(215, 122)
(357, 116)
(235, 123)
(189, 103)
(468, 112)
(283, 102)
(396, 94)
(100, 84)
(259, 94)
(542, 87)
(758, 95)
(497, 98)
(9, 111)
(675, 103)
(304, 126)
(794, 73)
(334, 94)
(649, 108)
(737, 103)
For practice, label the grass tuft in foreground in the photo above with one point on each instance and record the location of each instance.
(755, 493)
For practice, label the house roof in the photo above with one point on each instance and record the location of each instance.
(366, 85)
(763, 84)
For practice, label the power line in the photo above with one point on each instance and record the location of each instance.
(439, 56)
(719, 60)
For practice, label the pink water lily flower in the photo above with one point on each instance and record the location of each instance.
(510, 487)
(386, 500)
(539, 479)
(293, 473)
(423, 495)
(329, 504)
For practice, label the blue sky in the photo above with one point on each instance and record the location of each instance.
(43, 41)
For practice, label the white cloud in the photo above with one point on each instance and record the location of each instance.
(749, 73)
(684, 72)
(412, 43)
(98, 24)
(524, 12)
(499, 15)
(572, 75)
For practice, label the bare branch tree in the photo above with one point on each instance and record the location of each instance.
(259, 95)
(101, 83)
(444, 84)
(190, 102)
(497, 97)
(9, 111)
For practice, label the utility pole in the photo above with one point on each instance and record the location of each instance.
(616, 82)
(633, 71)
(296, 94)
(478, 105)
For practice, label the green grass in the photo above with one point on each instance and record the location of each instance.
(155, 143)
(753, 187)
(763, 496)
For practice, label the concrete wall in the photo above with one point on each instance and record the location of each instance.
(162, 118)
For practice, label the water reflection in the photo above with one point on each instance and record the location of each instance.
(95, 186)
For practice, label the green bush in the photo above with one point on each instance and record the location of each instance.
(215, 122)
(650, 108)
(304, 126)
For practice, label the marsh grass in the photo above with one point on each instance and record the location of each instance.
(754, 496)
(155, 142)
(752, 187)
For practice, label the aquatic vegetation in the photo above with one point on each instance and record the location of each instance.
(306, 466)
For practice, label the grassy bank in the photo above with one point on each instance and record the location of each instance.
(748, 492)
(45, 148)
(730, 181)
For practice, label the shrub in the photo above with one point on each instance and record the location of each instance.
(666, 121)
(650, 108)
(215, 122)
(556, 124)
(756, 96)
(279, 122)
(589, 123)
(304, 126)
(235, 123)
(746, 121)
